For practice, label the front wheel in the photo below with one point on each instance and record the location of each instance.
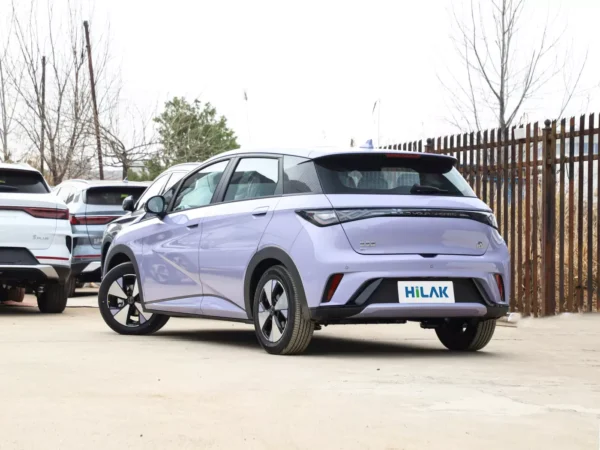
(280, 325)
(120, 304)
(461, 336)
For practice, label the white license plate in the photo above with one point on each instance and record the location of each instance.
(425, 292)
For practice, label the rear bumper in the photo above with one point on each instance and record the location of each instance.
(87, 270)
(390, 312)
(34, 274)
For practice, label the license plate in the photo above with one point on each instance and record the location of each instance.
(96, 241)
(425, 292)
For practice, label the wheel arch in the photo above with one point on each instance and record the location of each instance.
(120, 254)
(259, 264)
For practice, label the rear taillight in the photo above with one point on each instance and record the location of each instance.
(500, 284)
(326, 217)
(91, 220)
(319, 217)
(331, 287)
(41, 213)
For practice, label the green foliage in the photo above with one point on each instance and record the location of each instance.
(189, 132)
(143, 175)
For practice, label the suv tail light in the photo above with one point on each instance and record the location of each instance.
(41, 213)
(91, 220)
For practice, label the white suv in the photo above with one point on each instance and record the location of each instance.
(35, 239)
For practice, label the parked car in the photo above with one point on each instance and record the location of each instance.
(92, 206)
(134, 209)
(35, 239)
(292, 240)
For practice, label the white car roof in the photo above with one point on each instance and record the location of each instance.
(18, 166)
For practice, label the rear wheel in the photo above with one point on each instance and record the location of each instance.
(71, 285)
(120, 303)
(53, 299)
(280, 325)
(465, 336)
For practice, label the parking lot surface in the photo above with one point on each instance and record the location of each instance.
(69, 382)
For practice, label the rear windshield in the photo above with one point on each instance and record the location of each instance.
(113, 196)
(391, 174)
(22, 182)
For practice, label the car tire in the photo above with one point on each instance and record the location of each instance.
(466, 337)
(120, 304)
(278, 303)
(71, 285)
(53, 299)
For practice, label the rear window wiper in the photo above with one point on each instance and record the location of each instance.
(425, 189)
(8, 187)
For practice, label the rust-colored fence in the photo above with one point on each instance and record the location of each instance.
(542, 182)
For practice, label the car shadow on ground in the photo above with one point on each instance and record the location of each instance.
(322, 345)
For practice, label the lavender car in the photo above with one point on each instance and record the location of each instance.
(290, 240)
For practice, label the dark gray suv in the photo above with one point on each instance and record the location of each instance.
(92, 205)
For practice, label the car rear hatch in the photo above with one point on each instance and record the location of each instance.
(103, 204)
(28, 211)
(401, 203)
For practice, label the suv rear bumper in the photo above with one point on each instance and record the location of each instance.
(34, 274)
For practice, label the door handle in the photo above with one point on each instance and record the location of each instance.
(262, 211)
(195, 225)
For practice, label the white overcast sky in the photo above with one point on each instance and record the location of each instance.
(313, 69)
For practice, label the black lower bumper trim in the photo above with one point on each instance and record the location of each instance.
(31, 276)
(343, 314)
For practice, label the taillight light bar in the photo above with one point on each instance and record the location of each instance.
(40, 213)
(327, 217)
(91, 220)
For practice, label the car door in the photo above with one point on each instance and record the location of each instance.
(169, 269)
(231, 232)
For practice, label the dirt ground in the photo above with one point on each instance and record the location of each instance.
(69, 382)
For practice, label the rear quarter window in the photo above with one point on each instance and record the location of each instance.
(112, 196)
(300, 176)
(22, 182)
(391, 174)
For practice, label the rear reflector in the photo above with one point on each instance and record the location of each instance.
(91, 220)
(332, 285)
(500, 284)
(41, 213)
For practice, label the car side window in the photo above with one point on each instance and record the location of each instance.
(171, 186)
(253, 178)
(300, 176)
(152, 190)
(199, 188)
(65, 193)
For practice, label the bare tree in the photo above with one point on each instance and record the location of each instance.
(68, 109)
(8, 94)
(500, 71)
(124, 146)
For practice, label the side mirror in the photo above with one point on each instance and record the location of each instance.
(128, 203)
(156, 205)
